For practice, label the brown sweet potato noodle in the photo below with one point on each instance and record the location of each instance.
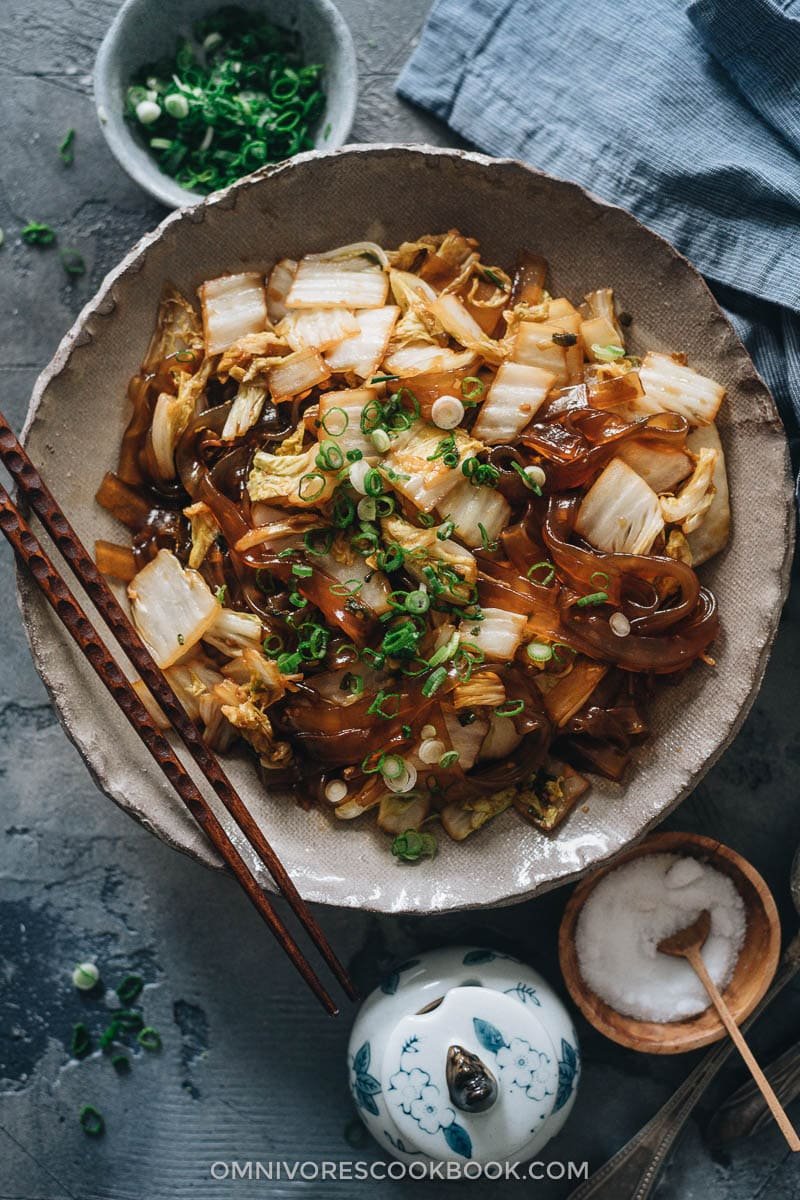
(416, 529)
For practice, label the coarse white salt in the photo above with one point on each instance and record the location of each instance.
(637, 905)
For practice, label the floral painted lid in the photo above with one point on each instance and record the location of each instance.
(474, 1076)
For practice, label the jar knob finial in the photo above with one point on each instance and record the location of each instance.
(472, 1086)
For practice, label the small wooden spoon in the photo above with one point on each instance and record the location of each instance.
(687, 943)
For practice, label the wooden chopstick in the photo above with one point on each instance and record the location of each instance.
(69, 544)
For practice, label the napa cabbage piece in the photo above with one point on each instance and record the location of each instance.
(499, 634)
(454, 318)
(298, 372)
(551, 796)
(712, 535)
(689, 507)
(172, 608)
(340, 420)
(362, 353)
(413, 470)
(338, 283)
(517, 392)
(411, 292)
(620, 513)
(279, 477)
(172, 414)
(669, 386)
(466, 740)
(232, 631)
(469, 507)
(501, 738)
(278, 286)
(660, 467)
(351, 571)
(601, 332)
(397, 813)
(463, 817)
(245, 411)
(420, 357)
(248, 355)
(240, 708)
(533, 345)
(233, 305)
(600, 304)
(354, 251)
(425, 549)
(205, 530)
(483, 689)
(190, 680)
(178, 330)
(317, 328)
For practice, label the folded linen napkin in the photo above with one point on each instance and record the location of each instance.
(687, 114)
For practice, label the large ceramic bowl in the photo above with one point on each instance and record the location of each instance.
(390, 193)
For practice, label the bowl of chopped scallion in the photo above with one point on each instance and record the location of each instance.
(192, 95)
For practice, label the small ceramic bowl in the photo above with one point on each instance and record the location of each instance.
(753, 973)
(145, 30)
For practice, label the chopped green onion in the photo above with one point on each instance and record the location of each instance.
(296, 600)
(607, 353)
(446, 530)
(302, 570)
(392, 558)
(434, 682)
(66, 150)
(401, 641)
(376, 708)
(313, 546)
(426, 520)
(380, 440)
(85, 976)
(350, 587)
(149, 1038)
(81, 1043)
(38, 233)
(353, 683)
(310, 492)
(418, 602)
(444, 652)
(411, 846)
(526, 479)
(367, 508)
(471, 387)
(383, 379)
(91, 1120)
(539, 652)
(289, 663)
(489, 274)
(354, 455)
(385, 506)
(373, 483)
(603, 578)
(374, 656)
(220, 593)
(393, 766)
(330, 457)
(130, 989)
(449, 759)
(591, 600)
(273, 644)
(343, 513)
(487, 543)
(121, 1063)
(550, 572)
(512, 708)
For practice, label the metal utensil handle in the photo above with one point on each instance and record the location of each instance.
(632, 1172)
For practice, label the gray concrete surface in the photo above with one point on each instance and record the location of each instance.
(250, 1069)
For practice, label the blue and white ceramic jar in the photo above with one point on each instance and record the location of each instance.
(463, 1053)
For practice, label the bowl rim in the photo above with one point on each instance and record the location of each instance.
(146, 173)
(102, 305)
(638, 1034)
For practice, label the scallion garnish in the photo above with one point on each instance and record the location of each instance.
(418, 602)
(446, 530)
(434, 682)
(411, 846)
(91, 1120)
(547, 567)
(353, 683)
(487, 543)
(38, 233)
(149, 1038)
(66, 150)
(373, 483)
(302, 570)
(130, 989)
(526, 479)
(81, 1044)
(592, 599)
(342, 421)
(449, 759)
(350, 587)
(512, 708)
(607, 353)
(382, 698)
(316, 545)
(311, 486)
(471, 388)
(296, 600)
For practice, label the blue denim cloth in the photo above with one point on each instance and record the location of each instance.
(687, 114)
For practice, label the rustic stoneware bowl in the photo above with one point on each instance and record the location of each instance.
(144, 31)
(752, 975)
(391, 193)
